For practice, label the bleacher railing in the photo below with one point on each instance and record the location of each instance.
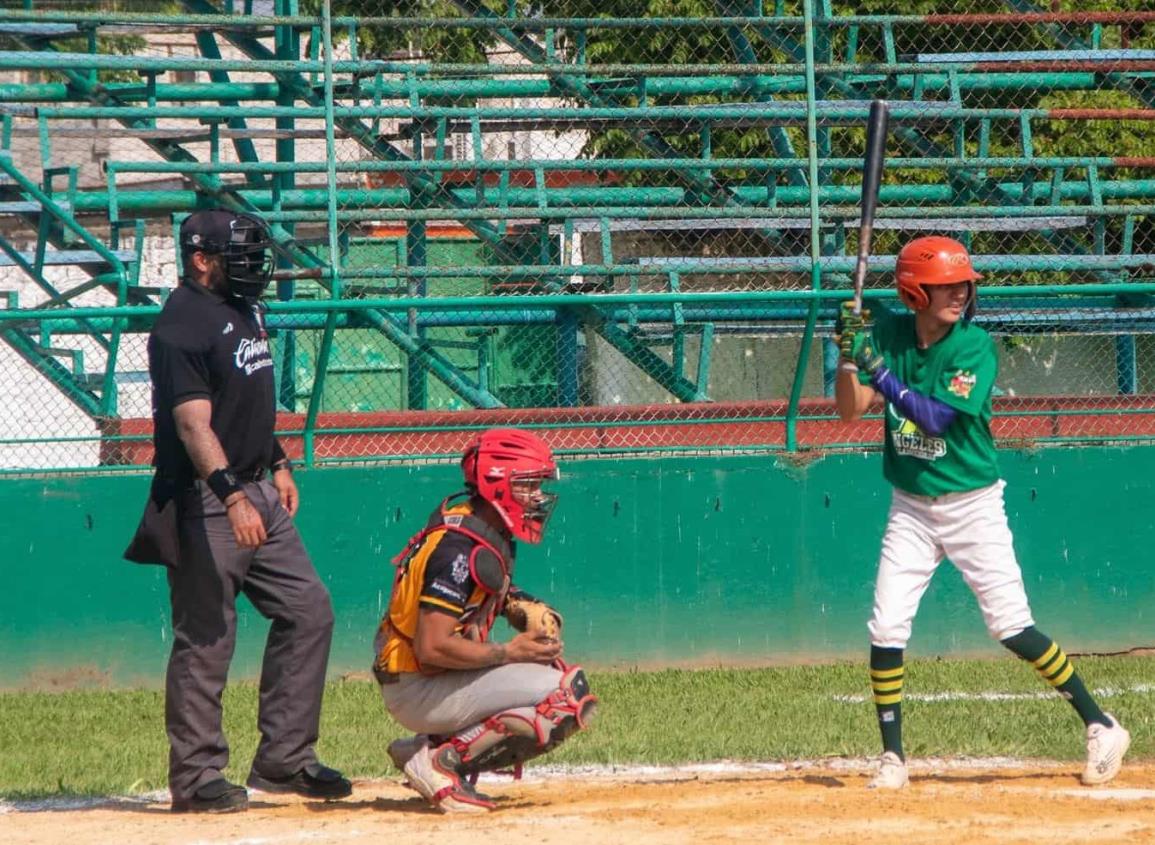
(626, 230)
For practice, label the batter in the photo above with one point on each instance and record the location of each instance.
(935, 370)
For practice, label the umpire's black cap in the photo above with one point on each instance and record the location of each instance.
(209, 230)
(243, 240)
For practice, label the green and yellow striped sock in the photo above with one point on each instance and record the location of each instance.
(886, 675)
(1052, 663)
(1054, 666)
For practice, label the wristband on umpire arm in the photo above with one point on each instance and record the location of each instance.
(283, 464)
(223, 483)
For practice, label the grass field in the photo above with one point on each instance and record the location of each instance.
(112, 742)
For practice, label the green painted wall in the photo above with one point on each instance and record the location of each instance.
(652, 561)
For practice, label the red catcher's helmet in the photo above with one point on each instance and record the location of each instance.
(933, 260)
(507, 467)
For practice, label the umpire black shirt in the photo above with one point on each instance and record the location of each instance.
(208, 346)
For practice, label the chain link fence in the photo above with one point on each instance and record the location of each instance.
(626, 226)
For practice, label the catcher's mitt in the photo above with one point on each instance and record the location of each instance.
(534, 617)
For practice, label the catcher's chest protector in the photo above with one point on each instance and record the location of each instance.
(490, 564)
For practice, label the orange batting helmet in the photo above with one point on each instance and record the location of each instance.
(933, 260)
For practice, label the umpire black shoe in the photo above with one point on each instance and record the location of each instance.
(313, 781)
(216, 796)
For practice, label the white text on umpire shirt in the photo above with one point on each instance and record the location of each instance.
(252, 354)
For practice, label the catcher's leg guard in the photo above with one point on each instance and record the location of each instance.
(434, 773)
(509, 738)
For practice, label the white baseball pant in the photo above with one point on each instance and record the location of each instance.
(968, 528)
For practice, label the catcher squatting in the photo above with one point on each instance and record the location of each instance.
(476, 705)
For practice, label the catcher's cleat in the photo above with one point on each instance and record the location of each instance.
(402, 750)
(433, 773)
(891, 773)
(1106, 745)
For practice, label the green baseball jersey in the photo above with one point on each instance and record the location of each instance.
(959, 370)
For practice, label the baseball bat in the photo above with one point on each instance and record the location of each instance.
(871, 175)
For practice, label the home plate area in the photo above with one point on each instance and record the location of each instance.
(965, 801)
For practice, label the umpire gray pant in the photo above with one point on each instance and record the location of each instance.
(280, 581)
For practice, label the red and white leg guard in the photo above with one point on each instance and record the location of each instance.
(507, 739)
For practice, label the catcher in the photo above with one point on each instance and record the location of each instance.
(477, 705)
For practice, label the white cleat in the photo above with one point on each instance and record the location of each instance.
(402, 750)
(1106, 746)
(891, 773)
(433, 773)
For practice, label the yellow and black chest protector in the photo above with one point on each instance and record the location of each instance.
(490, 562)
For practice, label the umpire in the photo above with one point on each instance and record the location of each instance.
(220, 517)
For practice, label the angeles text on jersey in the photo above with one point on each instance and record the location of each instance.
(912, 441)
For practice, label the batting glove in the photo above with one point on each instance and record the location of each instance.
(848, 326)
(867, 358)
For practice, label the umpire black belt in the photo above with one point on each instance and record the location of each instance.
(249, 475)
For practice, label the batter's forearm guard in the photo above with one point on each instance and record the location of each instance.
(929, 414)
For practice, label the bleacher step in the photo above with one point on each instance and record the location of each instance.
(65, 257)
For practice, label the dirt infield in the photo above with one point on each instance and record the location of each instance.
(966, 803)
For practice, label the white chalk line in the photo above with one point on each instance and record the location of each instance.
(1102, 692)
(849, 765)
(328, 834)
(1108, 794)
(927, 766)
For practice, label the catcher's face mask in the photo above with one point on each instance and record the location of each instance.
(529, 493)
(508, 468)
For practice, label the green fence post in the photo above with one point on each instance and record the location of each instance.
(567, 358)
(815, 233)
(287, 47)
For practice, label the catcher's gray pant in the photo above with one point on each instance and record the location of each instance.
(280, 581)
(455, 700)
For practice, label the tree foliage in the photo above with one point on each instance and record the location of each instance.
(115, 44)
(428, 43)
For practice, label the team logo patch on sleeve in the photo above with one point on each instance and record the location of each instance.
(460, 569)
(962, 383)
